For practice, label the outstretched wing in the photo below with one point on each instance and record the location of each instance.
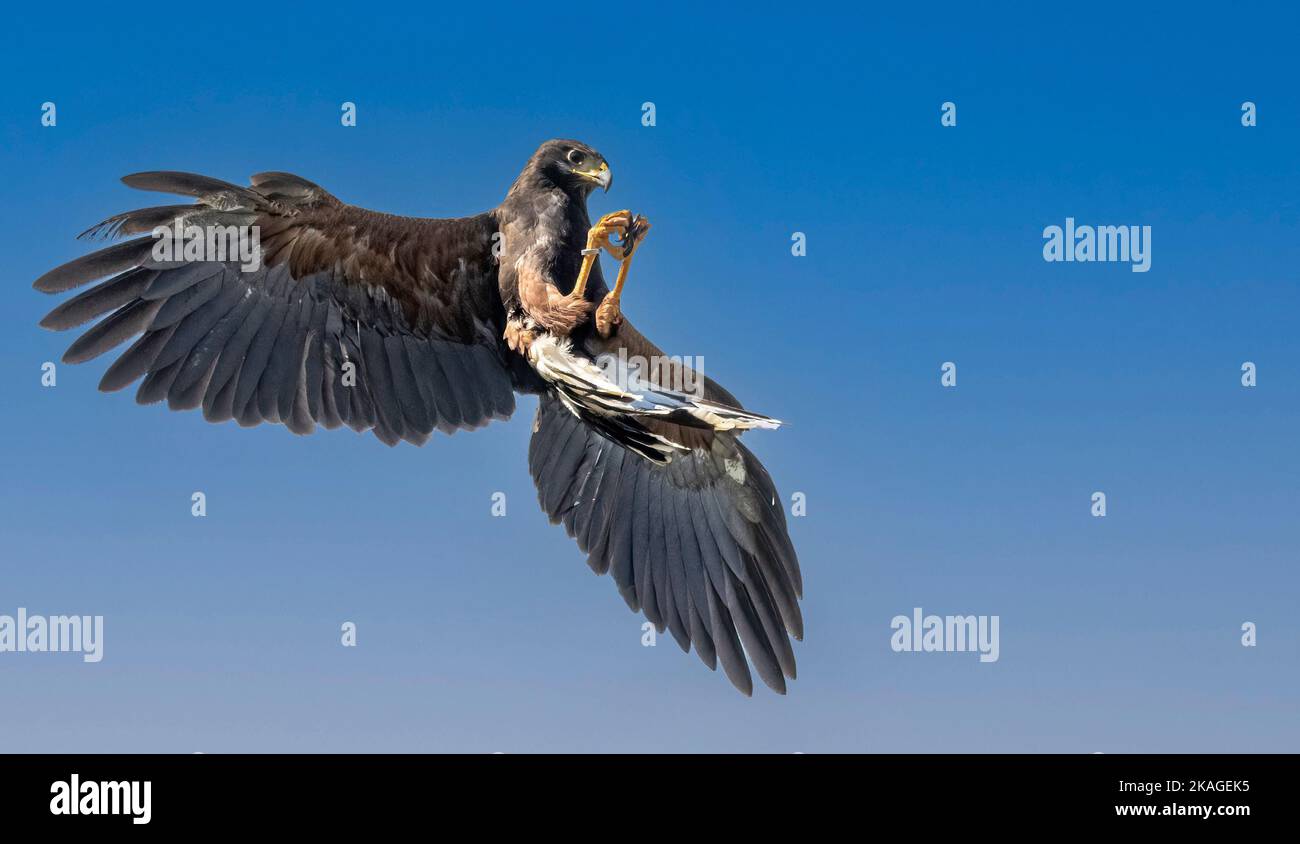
(350, 317)
(699, 543)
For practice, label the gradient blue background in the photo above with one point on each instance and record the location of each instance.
(924, 245)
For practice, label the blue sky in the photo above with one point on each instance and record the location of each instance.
(924, 245)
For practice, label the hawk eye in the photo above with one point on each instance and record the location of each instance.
(576, 157)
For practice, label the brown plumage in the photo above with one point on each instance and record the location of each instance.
(398, 325)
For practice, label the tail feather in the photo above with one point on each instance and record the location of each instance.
(617, 410)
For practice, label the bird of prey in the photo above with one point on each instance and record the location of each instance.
(403, 325)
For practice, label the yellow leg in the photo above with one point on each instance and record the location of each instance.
(609, 314)
(622, 277)
(636, 230)
(580, 286)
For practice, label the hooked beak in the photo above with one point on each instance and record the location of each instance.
(602, 176)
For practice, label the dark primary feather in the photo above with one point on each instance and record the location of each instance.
(114, 259)
(99, 300)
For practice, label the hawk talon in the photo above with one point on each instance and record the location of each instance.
(519, 337)
(631, 238)
(608, 316)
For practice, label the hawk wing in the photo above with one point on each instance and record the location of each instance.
(352, 317)
(698, 543)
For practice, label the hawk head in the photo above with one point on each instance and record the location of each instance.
(573, 166)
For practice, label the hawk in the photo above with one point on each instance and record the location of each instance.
(403, 325)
